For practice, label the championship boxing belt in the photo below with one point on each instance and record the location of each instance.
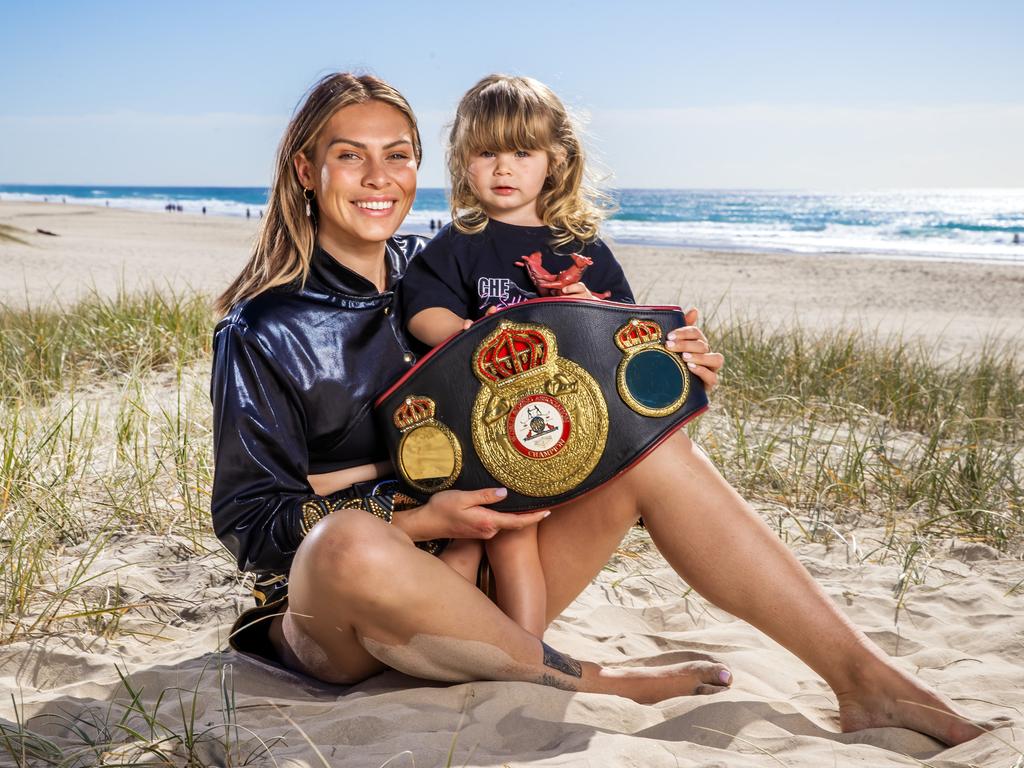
(549, 398)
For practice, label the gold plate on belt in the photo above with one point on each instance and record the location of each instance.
(429, 453)
(539, 421)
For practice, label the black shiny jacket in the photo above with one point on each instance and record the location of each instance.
(295, 373)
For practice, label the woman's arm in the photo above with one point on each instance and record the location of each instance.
(261, 499)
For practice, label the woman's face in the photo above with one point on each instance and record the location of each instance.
(363, 174)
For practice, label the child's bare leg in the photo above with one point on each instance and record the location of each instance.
(522, 592)
(463, 557)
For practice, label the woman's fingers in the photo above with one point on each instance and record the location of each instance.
(705, 374)
(483, 496)
(513, 521)
(712, 360)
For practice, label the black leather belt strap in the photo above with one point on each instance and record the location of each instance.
(550, 398)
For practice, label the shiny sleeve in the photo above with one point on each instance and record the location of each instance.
(260, 455)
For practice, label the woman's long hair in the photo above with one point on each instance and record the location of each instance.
(503, 113)
(286, 237)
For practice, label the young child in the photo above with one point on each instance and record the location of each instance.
(518, 187)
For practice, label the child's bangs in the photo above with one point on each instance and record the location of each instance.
(504, 127)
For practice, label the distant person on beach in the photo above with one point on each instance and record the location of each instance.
(350, 575)
(247, 213)
(510, 200)
(204, 210)
(432, 226)
(1016, 238)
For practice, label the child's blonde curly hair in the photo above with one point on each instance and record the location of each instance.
(502, 113)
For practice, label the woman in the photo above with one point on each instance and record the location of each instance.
(311, 336)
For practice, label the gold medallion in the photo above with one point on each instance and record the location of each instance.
(650, 379)
(429, 454)
(539, 421)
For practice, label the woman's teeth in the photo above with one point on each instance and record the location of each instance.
(375, 205)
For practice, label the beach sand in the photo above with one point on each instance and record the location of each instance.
(960, 626)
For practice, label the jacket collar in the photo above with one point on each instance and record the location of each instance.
(331, 276)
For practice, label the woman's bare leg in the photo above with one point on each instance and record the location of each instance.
(515, 563)
(722, 548)
(362, 596)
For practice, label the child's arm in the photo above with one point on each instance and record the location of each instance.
(435, 324)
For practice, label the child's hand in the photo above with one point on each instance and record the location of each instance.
(580, 291)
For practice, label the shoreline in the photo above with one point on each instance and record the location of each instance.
(616, 229)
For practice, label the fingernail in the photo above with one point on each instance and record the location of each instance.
(692, 366)
(725, 676)
(547, 513)
(501, 492)
(672, 336)
(687, 355)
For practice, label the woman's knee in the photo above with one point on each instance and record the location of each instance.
(348, 548)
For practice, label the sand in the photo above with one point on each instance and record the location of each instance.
(960, 628)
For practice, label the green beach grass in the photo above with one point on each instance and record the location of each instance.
(105, 438)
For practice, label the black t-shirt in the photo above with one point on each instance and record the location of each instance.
(470, 273)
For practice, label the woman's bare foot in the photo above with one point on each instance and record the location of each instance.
(648, 685)
(889, 697)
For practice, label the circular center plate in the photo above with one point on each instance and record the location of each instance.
(538, 426)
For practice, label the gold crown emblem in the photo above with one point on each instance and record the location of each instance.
(413, 410)
(636, 333)
(511, 352)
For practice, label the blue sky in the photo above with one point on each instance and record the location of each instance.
(674, 94)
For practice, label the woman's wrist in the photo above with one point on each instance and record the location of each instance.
(413, 523)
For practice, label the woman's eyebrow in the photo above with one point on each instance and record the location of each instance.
(360, 145)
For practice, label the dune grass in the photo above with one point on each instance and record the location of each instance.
(52, 349)
(846, 423)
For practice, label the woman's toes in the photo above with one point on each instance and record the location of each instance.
(717, 675)
(706, 689)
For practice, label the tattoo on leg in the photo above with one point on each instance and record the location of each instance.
(554, 682)
(557, 660)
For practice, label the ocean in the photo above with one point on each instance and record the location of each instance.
(957, 224)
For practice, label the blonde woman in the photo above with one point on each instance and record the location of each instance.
(301, 492)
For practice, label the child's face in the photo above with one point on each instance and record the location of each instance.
(507, 184)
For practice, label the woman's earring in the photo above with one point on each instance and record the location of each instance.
(309, 195)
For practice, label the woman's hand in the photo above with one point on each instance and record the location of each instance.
(691, 342)
(462, 515)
